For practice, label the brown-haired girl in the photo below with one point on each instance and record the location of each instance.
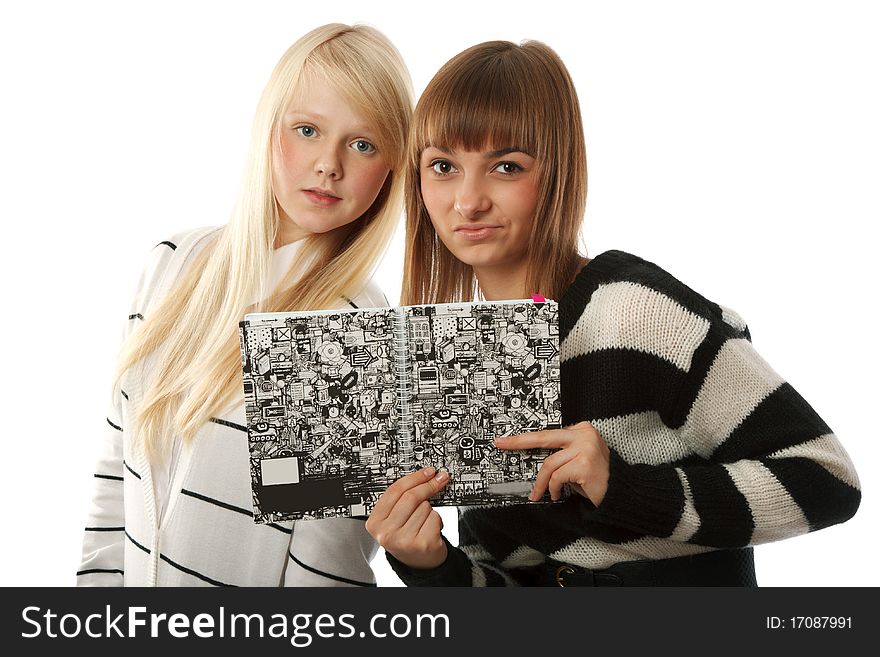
(681, 446)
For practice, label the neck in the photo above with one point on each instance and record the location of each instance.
(283, 237)
(499, 283)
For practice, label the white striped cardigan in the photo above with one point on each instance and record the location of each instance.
(710, 448)
(207, 536)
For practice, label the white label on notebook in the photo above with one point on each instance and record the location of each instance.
(522, 488)
(280, 471)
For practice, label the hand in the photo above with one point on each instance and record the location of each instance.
(582, 460)
(404, 522)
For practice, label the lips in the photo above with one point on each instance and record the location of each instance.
(477, 232)
(322, 198)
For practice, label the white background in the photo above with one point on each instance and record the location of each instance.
(734, 144)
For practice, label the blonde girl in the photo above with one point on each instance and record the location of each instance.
(319, 199)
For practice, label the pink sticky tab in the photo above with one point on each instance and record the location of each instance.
(537, 298)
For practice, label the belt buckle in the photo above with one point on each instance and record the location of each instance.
(561, 572)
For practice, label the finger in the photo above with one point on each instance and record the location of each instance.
(567, 473)
(430, 530)
(550, 465)
(424, 550)
(412, 526)
(427, 540)
(389, 498)
(412, 498)
(549, 438)
(577, 488)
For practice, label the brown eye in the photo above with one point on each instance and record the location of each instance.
(442, 167)
(508, 168)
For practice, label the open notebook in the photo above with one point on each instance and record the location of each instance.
(342, 403)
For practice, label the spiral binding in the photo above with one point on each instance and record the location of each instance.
(402, 376)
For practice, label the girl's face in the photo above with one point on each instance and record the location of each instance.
(326, 169)
(482, 205)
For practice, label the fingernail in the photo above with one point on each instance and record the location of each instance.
(443, 475)
(428, 471)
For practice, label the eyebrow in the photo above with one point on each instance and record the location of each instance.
(509, 149)
(318, 118)
(488, 154)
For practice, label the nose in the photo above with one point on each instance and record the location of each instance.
(471, 198)
(329, 163)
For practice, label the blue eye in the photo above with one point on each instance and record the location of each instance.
(442, 167)
(362, 146)
(306, 131)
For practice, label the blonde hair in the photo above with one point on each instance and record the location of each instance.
(194, 329)
(496, 95)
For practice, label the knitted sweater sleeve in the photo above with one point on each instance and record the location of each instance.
(755, 462)
(460, 569)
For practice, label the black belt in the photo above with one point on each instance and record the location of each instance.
(716, 568)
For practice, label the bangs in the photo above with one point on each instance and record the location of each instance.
(353, 91)
(493, 96)
(488, 105)
(364, 80)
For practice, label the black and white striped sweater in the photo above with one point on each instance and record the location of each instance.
(710, 448)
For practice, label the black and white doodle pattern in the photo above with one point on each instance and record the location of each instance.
(340, 404)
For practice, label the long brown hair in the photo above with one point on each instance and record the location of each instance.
(493, 95)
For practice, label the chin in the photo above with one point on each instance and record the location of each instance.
(478, 259)
(481, 264)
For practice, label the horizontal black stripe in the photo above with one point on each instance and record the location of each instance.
(113, 477)
(105, 529)
(617, 266)
(115, 426)
(689, 387)
(227, 423)
(184, 569)
(493, 577)
(90, 571)
(544, 527)
(136, 544)
(190, 571)
(230, 507)
(222, 505)
(593, 388)
(337, 578)
(136, 316)
(824, 499)
(781, 420)
(725, 516)
(169, 244)
(642, 498)
(701, 364)
(128, 467)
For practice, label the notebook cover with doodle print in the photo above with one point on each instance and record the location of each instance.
(342, 403)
